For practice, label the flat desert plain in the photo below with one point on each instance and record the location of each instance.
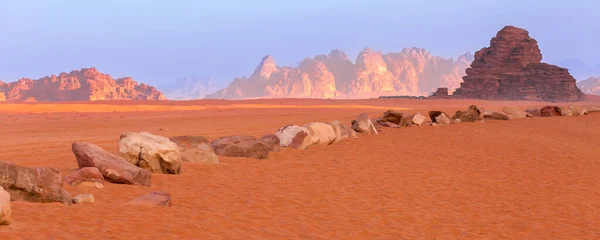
(520, 179)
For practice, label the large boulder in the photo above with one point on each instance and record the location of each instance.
(272, 142)
(4, 207)
(363, 124)
(42, 185)
(155, 153)
(195, 149)
(439, 117)
(88, 176)
(534, 112)
(496, 115)
(578, 110)
(515, 113)
(342, 131)
(550, 111)
(156, 198)
(418, 119)
(113, 168)
(294, 136)
(392, 117)
(321, 133)
(472, 114)
(240, 146)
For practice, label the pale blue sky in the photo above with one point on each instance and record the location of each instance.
(157, 41)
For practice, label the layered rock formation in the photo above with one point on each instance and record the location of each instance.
(80, 85)
(412, 71)
(590, 86)
(511, 69)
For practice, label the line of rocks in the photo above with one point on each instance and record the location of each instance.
(143, 153)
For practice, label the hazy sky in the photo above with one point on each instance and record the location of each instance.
(157, 41)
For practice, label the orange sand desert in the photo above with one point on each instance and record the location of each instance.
(520, 179)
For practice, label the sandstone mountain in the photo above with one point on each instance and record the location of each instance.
(413, 71)
(511, 69)
(80, 85)
(590, 86)
(188, 88)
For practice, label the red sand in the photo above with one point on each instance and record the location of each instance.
(520, 179)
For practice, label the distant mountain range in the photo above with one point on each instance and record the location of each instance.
(188, 88)
(413, 71)
(590, 86)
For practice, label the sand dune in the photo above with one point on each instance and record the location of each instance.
(520, 179)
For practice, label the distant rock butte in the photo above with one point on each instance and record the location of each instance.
(86, 84)
(511, 69)
(413, 71)
(588, 86)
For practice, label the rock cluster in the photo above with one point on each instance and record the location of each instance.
(511, 69)
(87, 84)
(413, 71)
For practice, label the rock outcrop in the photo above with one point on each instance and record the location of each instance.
(87, 84)
(511, 69)
(155, 153)
(590, 85)
(413, 71)
(42, 185)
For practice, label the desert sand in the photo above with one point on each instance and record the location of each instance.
(519, 179)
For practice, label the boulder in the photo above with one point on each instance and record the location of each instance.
(550, 111)
(388, 124)
(342, 131)
(434, 114)
(88, 175)
(515, 113)
(155, 153)
(293, 136)
(456, 121)
(240, 146)
(272, 142)
(442, 119)
(534, 112)
(84, 198)
(418, 119)
(406, 121)
(113, 168)
(195, 149)
(578, 110)
(392, 117)
(42, 185)
(156, 198)
(363, 124)
(566, 111)
(592, 109)
(4, 207)
(496, 115)
(321, 133)
(472, 114)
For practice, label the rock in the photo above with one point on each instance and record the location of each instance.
(156, 198)
(592, 109)
(534, 112)
(456, 121)
(440, 93)
(5, 210)
(392, 116)
(550, 111)
(321, 133)
(590, 85)
(434, 114)
(511, 69)
(514, 113)
(195, 149)
(272, 142)
(363, 124)
(83, 198)
(442, 119)
(578, 111)
(86, 84)
(496, 115)
(432, 124)
(565, 111)
(113, 168)
(418, 119)
(406, 121)
(342, 131)
(294, 136)
(472, 114)
(240, 146)
(388, 124)
(90, 175)
(42, 185)
(155, 153)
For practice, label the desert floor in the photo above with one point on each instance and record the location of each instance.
(520, 179)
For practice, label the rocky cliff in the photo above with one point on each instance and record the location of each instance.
(413, 71)
(590, 85)
(511, 69)
(80, 85)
